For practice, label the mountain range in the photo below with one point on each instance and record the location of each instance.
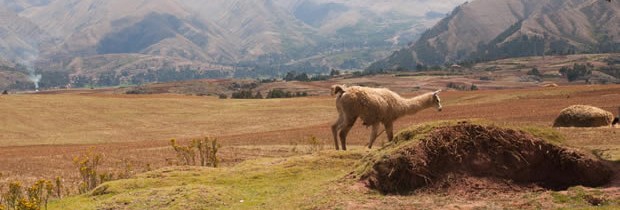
(87, 38)
(490, 29)
(77, 43)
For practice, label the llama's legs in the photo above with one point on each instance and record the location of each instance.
(373, 135)
(335, 128)
(389, 130)
(344, 130)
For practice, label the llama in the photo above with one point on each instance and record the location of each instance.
(374, 106)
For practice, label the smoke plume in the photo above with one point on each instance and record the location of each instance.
(29, 62)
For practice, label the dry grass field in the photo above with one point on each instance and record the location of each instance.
(40, 134)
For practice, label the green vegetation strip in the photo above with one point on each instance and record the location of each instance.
(281, 183)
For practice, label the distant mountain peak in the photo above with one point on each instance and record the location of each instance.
(489, 29)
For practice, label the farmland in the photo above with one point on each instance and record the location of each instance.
(136, 129)
(270, 139)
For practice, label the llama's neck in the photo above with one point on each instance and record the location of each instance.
(418, 103)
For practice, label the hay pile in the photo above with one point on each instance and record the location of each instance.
(490, 154)
(583, 116)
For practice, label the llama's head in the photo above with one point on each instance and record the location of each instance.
(437, 100)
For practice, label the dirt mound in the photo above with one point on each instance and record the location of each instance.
(493, 154)
(583, 116)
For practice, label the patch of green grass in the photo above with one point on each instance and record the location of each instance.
(546, 133)
(582, 198)
(275, 183)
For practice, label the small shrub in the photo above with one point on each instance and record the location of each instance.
(184, 153)
(127, 168)
(473, 87)
(38, 195)
(294, 145)
(464, 87)
(33, 197)
(13, 195)
(58, 187)
(485, 78)
(315, 144)
(456, 86)
(87, 165)
(206, 148)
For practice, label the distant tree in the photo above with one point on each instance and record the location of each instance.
(290, 76)
(564, 70)
(302, 77)
(421, 67)
(243, 94)
(579, 71)
(275, 93)
(467, 64)
(319, 77)
(258, 95)
(534, 72)
(279, 93)
(334, 73)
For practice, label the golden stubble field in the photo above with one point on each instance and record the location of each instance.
(41, 133)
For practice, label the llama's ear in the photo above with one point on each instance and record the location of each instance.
(437, 91)
(336, 89)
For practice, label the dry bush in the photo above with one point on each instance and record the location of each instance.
(315, 145)
(307, 146)
(126, 167)
(34, 197)
(206, 148)
(58, 186)
(87, 165)
(583, 116)
(185, 154)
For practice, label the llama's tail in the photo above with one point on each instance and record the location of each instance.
(337, 90)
